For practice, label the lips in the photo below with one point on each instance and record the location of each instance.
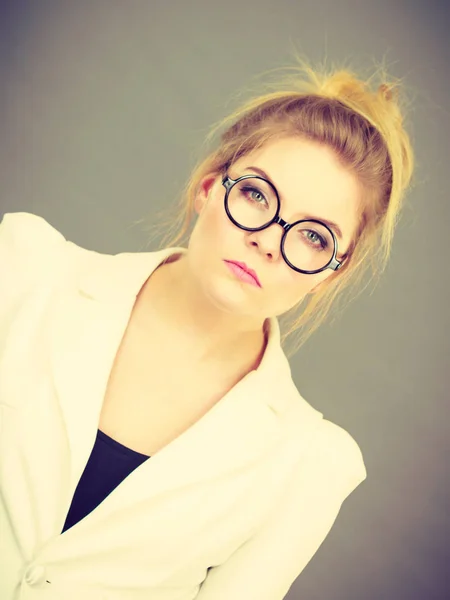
(247, 269)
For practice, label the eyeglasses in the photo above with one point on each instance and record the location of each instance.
(252, 203)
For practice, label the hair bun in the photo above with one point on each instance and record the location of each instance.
(387, 91)
(343, 85)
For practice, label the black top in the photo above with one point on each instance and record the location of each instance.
(109, 463)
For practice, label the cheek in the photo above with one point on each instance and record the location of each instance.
(296, 286)
(301, 283)
(214, 227)
(212, 237)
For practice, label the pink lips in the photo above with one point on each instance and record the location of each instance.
(243, 272)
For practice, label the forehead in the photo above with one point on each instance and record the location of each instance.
(309, 179)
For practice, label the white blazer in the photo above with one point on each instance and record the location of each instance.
(232, 509)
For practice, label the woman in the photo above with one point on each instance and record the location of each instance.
(153, 442)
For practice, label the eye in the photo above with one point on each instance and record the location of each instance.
(315, 239)
(257, 192)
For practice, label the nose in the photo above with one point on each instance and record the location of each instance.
(269, 241)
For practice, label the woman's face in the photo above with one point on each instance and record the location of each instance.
(311, 184)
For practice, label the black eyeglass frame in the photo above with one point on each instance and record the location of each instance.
(333, 263)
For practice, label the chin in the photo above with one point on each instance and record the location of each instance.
(225, 293)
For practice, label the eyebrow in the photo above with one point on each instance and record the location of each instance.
(330, 224)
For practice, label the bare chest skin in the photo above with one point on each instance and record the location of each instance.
(155, 392)
(152, 397)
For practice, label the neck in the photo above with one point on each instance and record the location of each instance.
(197, 326)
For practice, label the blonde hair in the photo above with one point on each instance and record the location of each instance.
(362, 122)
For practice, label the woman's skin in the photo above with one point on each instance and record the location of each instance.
(206, 311)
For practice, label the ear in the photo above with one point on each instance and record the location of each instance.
(204, 191)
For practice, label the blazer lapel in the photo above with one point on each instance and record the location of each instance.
(88, 324)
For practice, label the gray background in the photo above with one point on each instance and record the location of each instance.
(104, 105)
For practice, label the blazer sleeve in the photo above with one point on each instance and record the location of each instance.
(266, 565)
(27, 243)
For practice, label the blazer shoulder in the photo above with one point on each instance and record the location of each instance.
(343, 453)
(23, 229)
(28, 247)
(333, 446)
